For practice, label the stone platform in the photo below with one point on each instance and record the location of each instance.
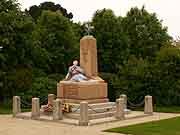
(133, 115)
(93, 91)
(95, 111)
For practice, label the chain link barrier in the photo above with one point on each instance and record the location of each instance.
(134, 106)
(26, 104)
(76, 109)
(44, 100)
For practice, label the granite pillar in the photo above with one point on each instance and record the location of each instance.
(120, 109)
(148, 107)
(35, 114)
(57, 110)
(16, 105)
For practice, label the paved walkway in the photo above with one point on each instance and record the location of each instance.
(13, 126)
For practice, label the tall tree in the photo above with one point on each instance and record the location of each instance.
(55, 34)
(111, 41)
(145, 31)
(15, 29)
(35, 11)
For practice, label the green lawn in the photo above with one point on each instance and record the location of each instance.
(8, 110)
(171, 109)
(162, 127)
(5, 110)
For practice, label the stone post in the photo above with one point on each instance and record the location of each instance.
(16, 105)
(125, 100)
(57, 110)
(120, 109)
(148, 107)
(83, 120)
(35, 114)
(51, 98)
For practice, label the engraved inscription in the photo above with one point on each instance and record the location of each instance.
(71, 91)
(84, 53)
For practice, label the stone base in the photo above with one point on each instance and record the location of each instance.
(75, 92)
(90, 101)
(83, 123)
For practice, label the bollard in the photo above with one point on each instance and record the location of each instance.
(148, 107)
(51, 98)
(120, 109)
(35, 114)
(57, 110)
(125, 100)
(16, 105)
(83, 120)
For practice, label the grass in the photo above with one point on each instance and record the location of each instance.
(5, 110)
(8, 110)
(170, 109)
(162, 127)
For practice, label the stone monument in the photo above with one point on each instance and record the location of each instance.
(92, 90)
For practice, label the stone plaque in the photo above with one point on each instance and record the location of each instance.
(70, 91)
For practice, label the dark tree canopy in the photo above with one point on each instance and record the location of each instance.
(35, 11)
(135, 56)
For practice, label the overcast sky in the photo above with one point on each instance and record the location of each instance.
(166, 10)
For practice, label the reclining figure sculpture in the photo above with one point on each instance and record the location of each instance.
(76, 73)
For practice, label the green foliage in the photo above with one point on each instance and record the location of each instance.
(36, 11)
(111, 40)
(168, 74)
(145, 32)
(133, 56)
(112, 81)
(15, 63)
(10, 5)
(33, 55)
(55, 36)
(160, 79)
(16, 81)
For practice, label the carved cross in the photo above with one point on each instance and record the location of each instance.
(88, 28)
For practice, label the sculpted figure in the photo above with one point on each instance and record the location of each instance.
(75, 73)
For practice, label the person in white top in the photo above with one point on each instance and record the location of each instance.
(75, 73)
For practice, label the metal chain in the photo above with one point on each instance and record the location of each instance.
(131, 105)
(44, 99)
(26, 104)
(76, 109)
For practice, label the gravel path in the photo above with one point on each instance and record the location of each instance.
(13, 126)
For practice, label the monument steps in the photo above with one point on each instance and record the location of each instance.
(98, 105)
(102, 105)
(91, 116)
(72, 115)
(97, 110)
(101, 115)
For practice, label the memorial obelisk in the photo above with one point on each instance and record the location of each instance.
(93, 90)
(88, 55)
